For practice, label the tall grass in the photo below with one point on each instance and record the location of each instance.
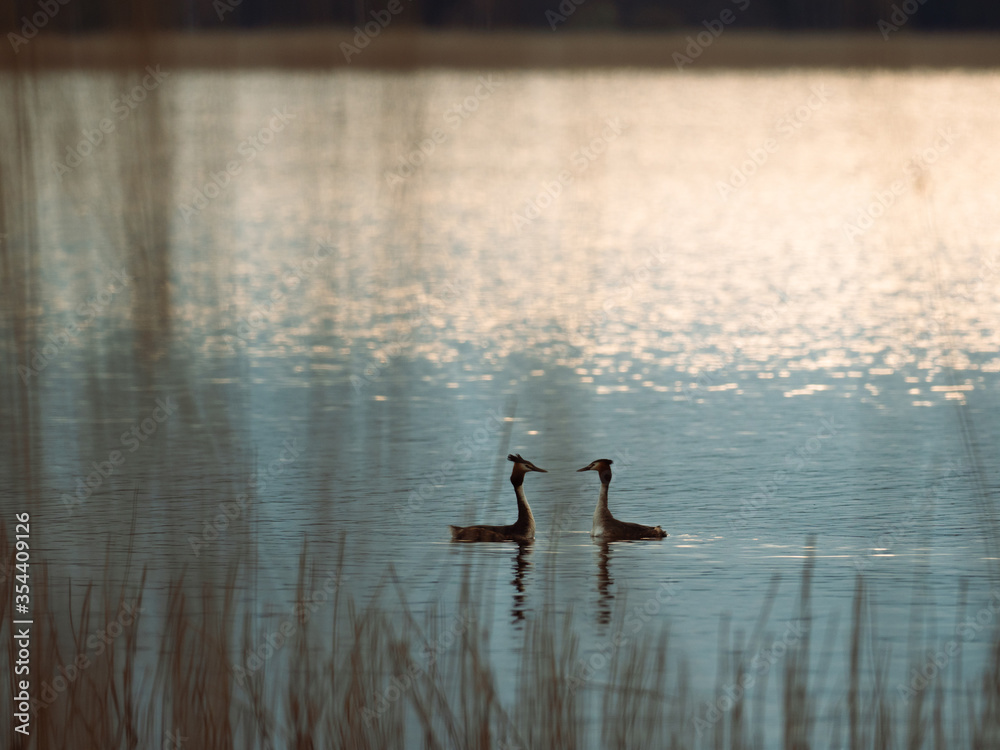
(381, 678)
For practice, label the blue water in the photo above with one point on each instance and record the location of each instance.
(575, 266)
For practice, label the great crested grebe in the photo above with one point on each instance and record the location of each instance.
(522, 530)
(606, 527)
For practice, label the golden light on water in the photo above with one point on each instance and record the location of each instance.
(770, 295)
(676, 282)
(642, 223)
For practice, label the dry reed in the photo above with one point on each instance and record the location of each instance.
(383, 679)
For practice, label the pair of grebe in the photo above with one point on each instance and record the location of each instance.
(605, 526)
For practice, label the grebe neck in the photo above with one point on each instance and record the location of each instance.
(602, 499)
(525, 519)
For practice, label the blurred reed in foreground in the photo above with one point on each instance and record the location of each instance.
(203, 675)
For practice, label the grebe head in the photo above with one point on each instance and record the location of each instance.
(523, 465)
(602, 466)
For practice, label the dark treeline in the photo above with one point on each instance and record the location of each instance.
(89, 15)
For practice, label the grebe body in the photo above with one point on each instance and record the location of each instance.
(606, 527)
(523, 529)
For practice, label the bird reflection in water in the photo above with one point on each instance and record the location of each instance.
(521, 565)
(604, 583)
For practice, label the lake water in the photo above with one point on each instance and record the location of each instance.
(770, 297)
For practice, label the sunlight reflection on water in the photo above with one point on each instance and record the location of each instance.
(585, 264)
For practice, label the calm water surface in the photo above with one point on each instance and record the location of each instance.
(771, 298)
